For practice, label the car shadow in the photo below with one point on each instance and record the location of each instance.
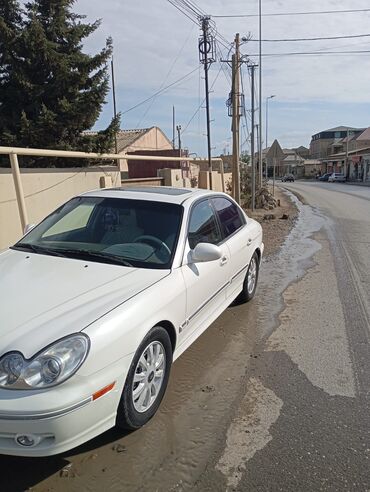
(18, 474)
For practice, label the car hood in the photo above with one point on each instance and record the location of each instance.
(44, 298)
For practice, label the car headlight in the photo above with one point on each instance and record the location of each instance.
(50, 367)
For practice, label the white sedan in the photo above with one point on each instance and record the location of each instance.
(100, 298)
(337, 178)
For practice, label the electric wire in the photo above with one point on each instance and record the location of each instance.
(225, 71)
(311, 39)
(166, 77)
(182, 11)
(278, 14)
(161, 91)
(301, 53)
(194, 13)
(201, 104)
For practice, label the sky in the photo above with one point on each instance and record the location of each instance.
(155, 45)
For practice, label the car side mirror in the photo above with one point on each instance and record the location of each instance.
(204, 252)
(28, 228)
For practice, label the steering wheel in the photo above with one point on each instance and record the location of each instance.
(152, 239)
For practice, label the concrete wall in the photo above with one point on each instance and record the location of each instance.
(146, 168)
(138, 182)
(45, 190)
(204, 180)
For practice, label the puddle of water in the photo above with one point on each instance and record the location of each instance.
(296, 257)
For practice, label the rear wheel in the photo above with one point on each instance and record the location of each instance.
(250, 281)
(146, 381)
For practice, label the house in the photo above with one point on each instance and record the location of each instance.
(302, 152)
(143, 141)
(285, 161)
(312, 167)
(345, 151)
(355, 164)
(331, 141)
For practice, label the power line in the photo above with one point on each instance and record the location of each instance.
(166, 77)
(224, 68)
(160, 91)
(311, 39)
(314, 12)
(191, 5)
(348, 52)
(201, 104)
(189, 16)
(195, 14)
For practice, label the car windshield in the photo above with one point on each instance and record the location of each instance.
(127, 232)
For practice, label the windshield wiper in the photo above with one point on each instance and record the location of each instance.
(37, 249)
(83, 254)
(99, 255)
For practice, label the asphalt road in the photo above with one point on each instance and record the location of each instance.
(274, 396)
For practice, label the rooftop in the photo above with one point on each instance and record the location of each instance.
(339, 129)
(126, 138)
(365, 135)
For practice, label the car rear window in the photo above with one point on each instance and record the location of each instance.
(229, 216)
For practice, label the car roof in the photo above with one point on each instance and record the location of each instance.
(165, 194)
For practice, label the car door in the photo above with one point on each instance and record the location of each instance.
(240, 236)
(205, 282)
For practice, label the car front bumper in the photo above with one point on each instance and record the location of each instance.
(60, 418)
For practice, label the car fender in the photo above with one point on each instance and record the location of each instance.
(120, 332)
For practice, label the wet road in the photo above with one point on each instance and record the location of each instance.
(274, 396)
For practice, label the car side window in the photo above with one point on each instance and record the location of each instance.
(229, 216)
(203, 227)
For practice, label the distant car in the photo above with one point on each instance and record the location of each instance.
(337, 178)
(288, 177)
(325, 177)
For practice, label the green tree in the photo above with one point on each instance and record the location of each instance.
(10, 29)
(53, 90)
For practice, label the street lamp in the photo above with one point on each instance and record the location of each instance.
(267, 127)
(267, 120)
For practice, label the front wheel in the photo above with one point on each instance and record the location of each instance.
(146, 381)
(250, 281)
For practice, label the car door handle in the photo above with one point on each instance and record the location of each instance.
(223, 260)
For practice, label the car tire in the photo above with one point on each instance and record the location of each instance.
(248, 290)
(143, 379)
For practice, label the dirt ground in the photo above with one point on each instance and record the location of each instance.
(275, 230)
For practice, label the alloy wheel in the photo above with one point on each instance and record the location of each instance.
(252, 276)
(149, 376)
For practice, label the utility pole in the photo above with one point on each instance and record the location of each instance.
(114, 102)
(178, 128)
(267, 128)
(260, 91)
(253, 163)
(346, 164)
(235, 91)
(206, 50)
(173, 127)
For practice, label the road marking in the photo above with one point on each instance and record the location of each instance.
(249, 431)
(312, 328)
